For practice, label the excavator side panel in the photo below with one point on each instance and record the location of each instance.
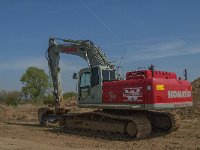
(125, 94)
(168, 94)
(148, 94)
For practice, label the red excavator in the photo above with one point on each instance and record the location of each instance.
(132, 107)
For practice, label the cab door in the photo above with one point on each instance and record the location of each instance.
(90, 86)
(84, 90)
(96, 85)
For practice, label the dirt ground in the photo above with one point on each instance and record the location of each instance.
(19, 130)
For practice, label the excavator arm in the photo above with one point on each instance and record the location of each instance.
(84, 49)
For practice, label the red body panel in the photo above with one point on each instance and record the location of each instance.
(141, 87)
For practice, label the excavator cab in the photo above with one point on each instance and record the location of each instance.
(90, 83)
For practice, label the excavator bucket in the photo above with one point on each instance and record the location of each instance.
(47, 115)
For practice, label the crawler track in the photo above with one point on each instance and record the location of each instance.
(136, 125)
(132, 123)
(167, 121)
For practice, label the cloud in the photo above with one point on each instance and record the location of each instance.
(138, 51)
(69, 66)
(128, 42)
(40, 62)
(10, 81)
(160, 49)
(22, 63)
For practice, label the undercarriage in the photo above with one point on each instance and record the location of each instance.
(132, 123)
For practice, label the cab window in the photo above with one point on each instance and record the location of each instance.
(85, 79)
(108, 75)
(85, 85)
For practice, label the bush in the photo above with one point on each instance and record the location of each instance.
(68, 95)
(12, 98)
(3, 95)
(49, 100)
(15, 98)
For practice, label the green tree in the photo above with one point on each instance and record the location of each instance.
(36, 83)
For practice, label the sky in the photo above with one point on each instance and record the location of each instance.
(135, 33)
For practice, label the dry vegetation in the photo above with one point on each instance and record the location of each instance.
(19, 130)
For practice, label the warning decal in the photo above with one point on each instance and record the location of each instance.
(160, 87)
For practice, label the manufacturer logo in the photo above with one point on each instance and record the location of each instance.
(179, 94)
(69, 49)
(133, 94)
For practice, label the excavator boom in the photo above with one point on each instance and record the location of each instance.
(83, 48)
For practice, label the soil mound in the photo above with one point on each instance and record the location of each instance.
(195, 110)
(196, 95)
(196, 92)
